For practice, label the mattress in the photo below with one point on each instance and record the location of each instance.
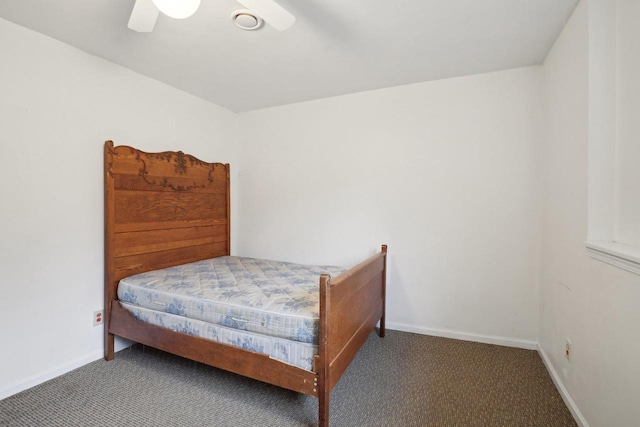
(292, 352)
(272, 298)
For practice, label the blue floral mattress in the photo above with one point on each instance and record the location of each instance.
(292, 352)
(271, 298)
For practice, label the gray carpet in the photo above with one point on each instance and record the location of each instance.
(401, 380)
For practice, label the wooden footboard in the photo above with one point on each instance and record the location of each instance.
(350, 307)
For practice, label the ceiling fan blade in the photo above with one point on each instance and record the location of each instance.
(274, 14)
(144, 16)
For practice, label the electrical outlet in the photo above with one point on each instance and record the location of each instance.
(98, 317)
(567, 349)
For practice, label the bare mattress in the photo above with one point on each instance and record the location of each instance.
(267, 306)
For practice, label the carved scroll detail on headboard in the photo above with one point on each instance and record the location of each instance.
(182, 172)
(180, 160)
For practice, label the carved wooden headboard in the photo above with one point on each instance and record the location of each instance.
(161, 210)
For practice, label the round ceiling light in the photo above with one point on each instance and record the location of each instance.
(246, 20)
(178, 9)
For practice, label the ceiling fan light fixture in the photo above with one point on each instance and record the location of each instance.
(178, 9)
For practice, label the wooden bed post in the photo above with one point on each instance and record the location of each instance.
(382, 329)
(324, 385)
(109, 220)
(228, 167)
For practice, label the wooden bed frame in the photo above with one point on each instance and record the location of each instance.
(166, 209)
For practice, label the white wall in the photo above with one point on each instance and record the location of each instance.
(601, 123)
(614, 154)
(446, 173)
(628, 125)
(478, 184)
(57, 107)
(592, 303)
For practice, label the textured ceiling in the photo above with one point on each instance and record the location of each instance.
(335, 47)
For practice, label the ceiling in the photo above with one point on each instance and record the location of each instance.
(335, 47)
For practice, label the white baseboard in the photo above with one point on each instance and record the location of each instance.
(568, 400)
(465, 336)
(41, 377)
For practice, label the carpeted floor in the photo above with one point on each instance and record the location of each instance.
(403, 380)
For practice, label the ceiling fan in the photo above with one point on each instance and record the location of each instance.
(145, 13)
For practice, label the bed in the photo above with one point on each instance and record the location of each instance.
(167, 210)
